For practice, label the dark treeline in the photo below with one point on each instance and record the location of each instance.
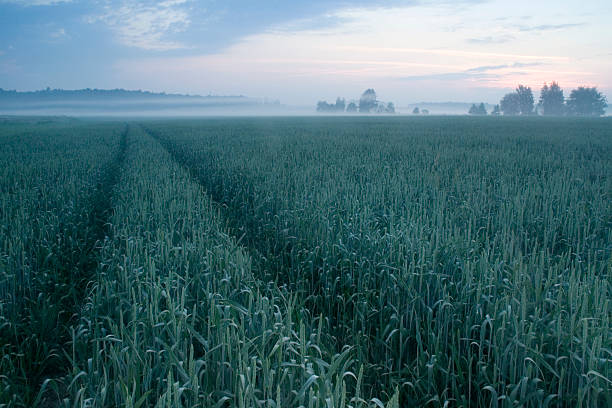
(339, 106)
(84, 94)
(583, 101)
(417, 111)
(88, 93)
(367, 103)
(128, 102)
(478, 110)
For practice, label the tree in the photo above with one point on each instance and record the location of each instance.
(586, 102)
(496, 111)
(340, 104)
(424, 112)
(510, 104)
(482, 109)
(416, 111)
(323, 106)
(352, 107)
(478, 110)
(525, 98)
(367, 102)
(390, 108)
(552, 102)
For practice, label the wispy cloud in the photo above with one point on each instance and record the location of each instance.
(317, 23)
(480, 73)
(451, 76)
(486, 68)
(551, 27)
(58, 34)
(36, 2)
(9, 67)
(451, 52)
(491, 40)
(146, 24)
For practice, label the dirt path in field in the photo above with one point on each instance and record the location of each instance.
(77, 268)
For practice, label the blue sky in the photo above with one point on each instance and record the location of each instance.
(301, 51)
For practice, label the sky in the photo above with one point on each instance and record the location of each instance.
(302, 51)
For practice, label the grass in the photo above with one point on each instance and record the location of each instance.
(309, 262)
(53, 189)
(176, 318)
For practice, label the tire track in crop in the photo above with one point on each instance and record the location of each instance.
(275, 255)
(238, 211)
(73, 263)
(272, 252)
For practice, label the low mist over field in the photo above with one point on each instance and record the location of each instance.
(119, 102)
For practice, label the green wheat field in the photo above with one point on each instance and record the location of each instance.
(306, 262)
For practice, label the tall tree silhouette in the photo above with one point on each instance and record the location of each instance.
(478, 110)
(552, 102)
(525, 98)
(510, 104)
(586, 102)
(367, 102)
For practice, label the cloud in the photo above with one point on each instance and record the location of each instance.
(491, 40)
(551, 27)
(486, 68)
(501, 39)
(27, 3)
(146, 24)
(334, 14)
(451, 52)
(318, 23)
(526, 64)
(477, 73)
(452, 76)
(9, 67)
(58, 34)
(447, 76)
(151, 25)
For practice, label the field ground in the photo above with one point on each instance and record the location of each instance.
(306, 262)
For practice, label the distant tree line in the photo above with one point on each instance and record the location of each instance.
(323, 106)
(478, 110)
(417, 111)
(583, 101)
(88, 93)
(368, 103)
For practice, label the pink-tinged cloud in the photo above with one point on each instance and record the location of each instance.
(411, 54)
